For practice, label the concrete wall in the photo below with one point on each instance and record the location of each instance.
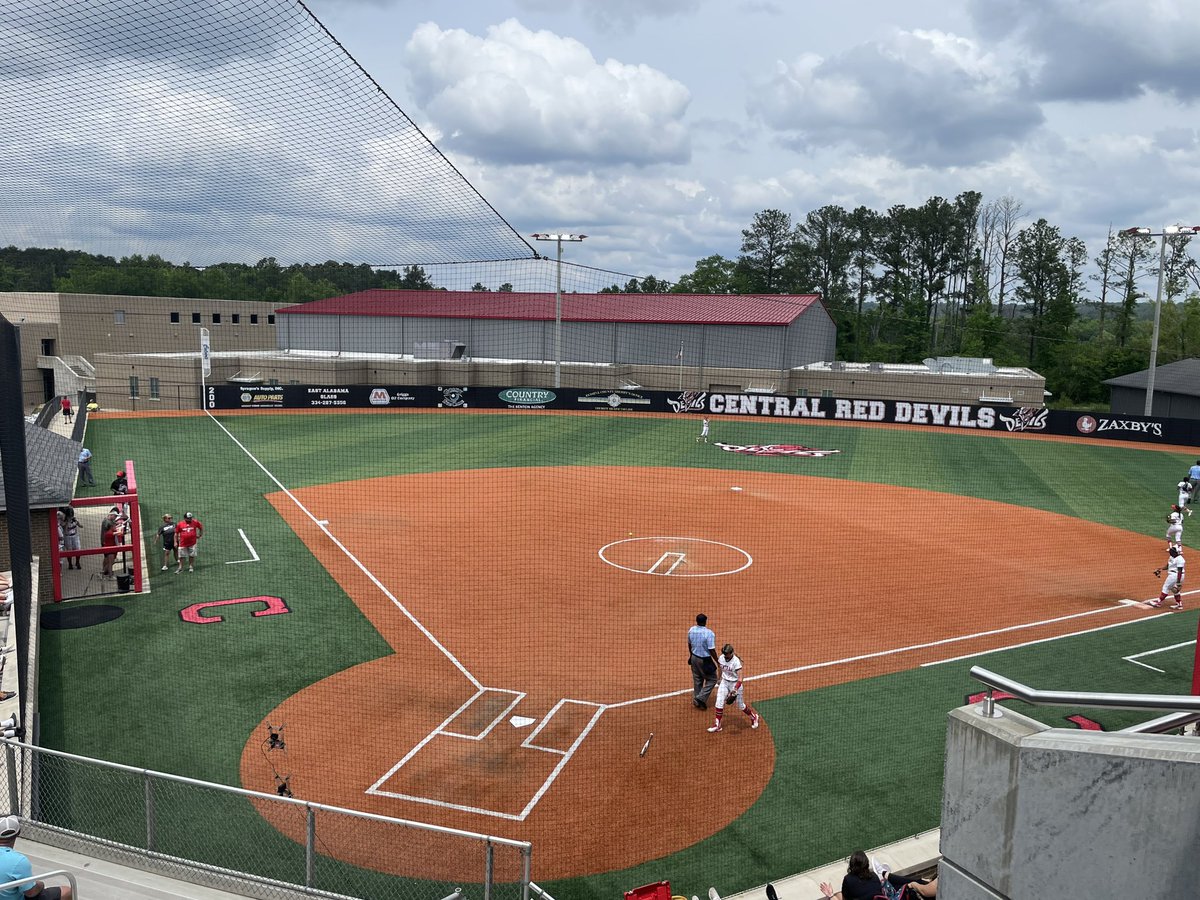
(934, 387)
(1032, 811)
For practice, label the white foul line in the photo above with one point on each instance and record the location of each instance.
(249, 546)
(354, 559)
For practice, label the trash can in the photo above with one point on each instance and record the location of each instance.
(124, 582)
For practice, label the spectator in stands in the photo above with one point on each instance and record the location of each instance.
(85, 466)
(15, 866)
(66, 408)
(862, 882)
(923, 888)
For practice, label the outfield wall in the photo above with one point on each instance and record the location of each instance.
(1034, 420)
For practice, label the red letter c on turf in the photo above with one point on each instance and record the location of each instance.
(193, 614)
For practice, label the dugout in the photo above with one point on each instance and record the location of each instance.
(51, 463)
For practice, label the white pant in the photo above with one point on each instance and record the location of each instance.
(1175, 534)
(1170, 584)
(725, 688)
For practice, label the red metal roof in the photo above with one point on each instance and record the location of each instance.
(661, 309)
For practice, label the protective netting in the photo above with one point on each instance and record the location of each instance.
(219, 131)
(452, 527)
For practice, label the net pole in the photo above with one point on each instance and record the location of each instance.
(16, 490)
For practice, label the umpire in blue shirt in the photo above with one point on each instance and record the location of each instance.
(702, 658)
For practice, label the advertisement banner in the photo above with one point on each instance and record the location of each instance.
(955, 416)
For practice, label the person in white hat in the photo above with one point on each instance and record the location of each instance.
(15, 866)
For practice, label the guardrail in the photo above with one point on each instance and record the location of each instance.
(1185, 708)
(42, 878)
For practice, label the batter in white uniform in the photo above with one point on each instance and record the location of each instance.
(1173, 584)
(731, 687)
(1175, 528)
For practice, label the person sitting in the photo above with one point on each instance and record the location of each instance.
(862, 883)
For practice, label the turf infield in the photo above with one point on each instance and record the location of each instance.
(857, 764)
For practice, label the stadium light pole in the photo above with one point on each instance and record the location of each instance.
(1168, 231)
(558, 239)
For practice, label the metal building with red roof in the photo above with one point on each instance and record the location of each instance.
(771, 331)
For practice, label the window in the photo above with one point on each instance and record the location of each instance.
(253, 318)
(153, 388)
(195, 318)
(175, 318)
(47, 346)
(133, 387)
(827, 392)
(802, 392)
(236, 318)
(964, 390)
(119, 316)
(271, 318)
(216, 317)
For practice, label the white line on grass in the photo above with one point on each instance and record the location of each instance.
(354, 559)
(1136, 656)
(249, 546)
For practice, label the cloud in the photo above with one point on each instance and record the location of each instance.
(614, 15)
(1102, 49)
(521, 96)
(923, 97)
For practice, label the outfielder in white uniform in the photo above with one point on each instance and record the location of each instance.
(1185, 495)
(703, 435)
(730, 687)
(1173, 584)
(1175, 528)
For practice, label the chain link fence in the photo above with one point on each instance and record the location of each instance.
(265, 845)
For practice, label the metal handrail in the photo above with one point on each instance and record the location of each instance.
(996, 682)
(20, 881)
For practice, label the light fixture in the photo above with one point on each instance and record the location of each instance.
(558, 239)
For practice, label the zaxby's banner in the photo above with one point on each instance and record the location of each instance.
(958, 416)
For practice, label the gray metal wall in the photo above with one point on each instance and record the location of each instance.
(809, 339)
(1132, 402)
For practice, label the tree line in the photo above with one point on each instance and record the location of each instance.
(954, 277)
(963, 277)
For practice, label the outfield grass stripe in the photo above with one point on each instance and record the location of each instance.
(354, 559)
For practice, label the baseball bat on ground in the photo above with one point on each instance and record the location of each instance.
(646, 746)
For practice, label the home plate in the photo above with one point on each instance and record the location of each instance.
(521, 721)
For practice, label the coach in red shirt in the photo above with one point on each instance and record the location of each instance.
(187, 533)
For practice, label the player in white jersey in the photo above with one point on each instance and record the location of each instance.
(703, 435)
(1173, 584)
(1175, 528)
(1185, 496)
(730, 687)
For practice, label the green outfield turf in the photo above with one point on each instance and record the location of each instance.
(858, 764)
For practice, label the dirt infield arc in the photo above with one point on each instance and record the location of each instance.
(520, 615)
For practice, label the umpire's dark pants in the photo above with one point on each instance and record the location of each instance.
(704, 677)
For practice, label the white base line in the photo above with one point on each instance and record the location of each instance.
(249, 546)
(354, 559)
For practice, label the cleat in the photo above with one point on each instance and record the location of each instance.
(1157, 604)
(754, 721)
(164, 568)
(700, 704)
(714, 729)
(1176, 606)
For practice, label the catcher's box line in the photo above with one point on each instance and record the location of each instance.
(1134, 657)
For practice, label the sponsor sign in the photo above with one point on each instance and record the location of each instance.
(205, 353)
(328, 396)
(261, 398)
(527, 398)
(1101, 424)
(776, 450)
(379, 397)
(614, 399)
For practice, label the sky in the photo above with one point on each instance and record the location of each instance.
(659, 128)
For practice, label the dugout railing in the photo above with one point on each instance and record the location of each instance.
(262, 845)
